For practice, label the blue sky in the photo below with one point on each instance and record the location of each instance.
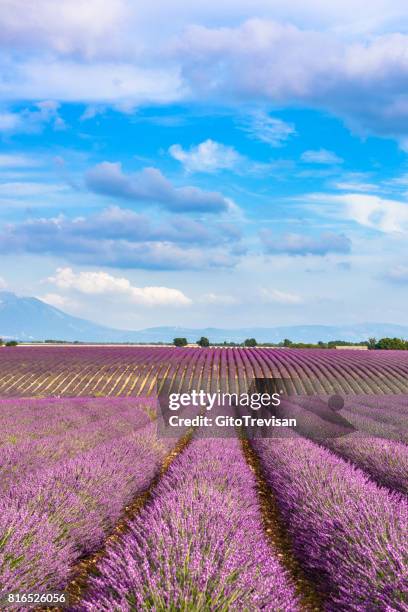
(225, 166)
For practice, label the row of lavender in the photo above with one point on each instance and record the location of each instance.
(198, 545)
(66, 473)
(123, 371)
(371, 433)
(350, 534)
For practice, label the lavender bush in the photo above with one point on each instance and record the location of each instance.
(386, 461)
(58, 508)
(349, 533)
(198, 545)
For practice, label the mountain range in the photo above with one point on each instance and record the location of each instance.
(30, 319)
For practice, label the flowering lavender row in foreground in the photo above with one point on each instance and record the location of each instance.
(198, 545)
(350, 534)
(66, 506)
(386, 461)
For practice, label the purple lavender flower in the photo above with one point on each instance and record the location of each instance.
(350, 534)
(198, 545)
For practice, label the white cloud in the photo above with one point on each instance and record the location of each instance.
(95, 82)
(399, 181)
(24, 189)
(32, 119)
(219, 299)
(17, 160)
(108, 27)
(66, 27)
(9, 122)
(398, 274)
(355, 186)
(110, 51)
(367, 210)
(150, 185)
(280, 297)
(296, 244)
(59, 301)
(102, 283)
(263, 60)
(260, 126)
(208, 156)
(3, 284)
(122, 238)
(321, 156)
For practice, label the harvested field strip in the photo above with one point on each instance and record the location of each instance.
(134, 370)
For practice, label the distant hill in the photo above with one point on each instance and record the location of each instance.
(28, 318)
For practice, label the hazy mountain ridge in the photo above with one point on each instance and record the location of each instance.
(28, 318)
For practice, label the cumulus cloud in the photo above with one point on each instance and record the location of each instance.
(102, 283)
(3, 284)
(280, 297)
(368, 210)
(208, 156)
(69, 27)
(150, 185)
(300, 244)
(125, 239)
(321, 156)
(110, 52)
(260, 59)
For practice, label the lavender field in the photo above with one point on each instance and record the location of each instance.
(96, 504)
(38, 371)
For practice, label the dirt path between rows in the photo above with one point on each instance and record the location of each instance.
(278, 536)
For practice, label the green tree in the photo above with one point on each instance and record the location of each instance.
(287, 342)
(250, 342)
(180, 341)
(395, 344)
(372, 343)
(12, 343)
(203, 341)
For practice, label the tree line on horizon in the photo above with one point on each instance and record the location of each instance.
(8, 342)
(396, 344)
(372, 343)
